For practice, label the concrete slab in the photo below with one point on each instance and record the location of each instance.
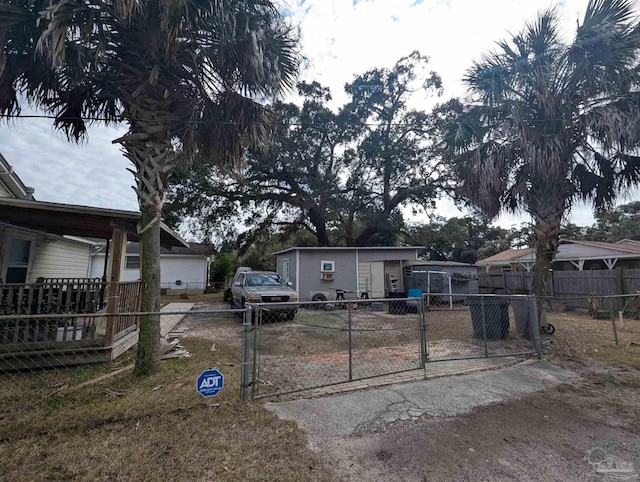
(361, 412)
(169, 322)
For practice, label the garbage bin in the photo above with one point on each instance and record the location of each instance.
(397, 307)
(495, 316)
(521, 306)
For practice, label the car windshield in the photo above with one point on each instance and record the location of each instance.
(264, 279)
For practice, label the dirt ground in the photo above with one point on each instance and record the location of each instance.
(544, 436)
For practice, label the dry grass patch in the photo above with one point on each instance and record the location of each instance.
(151, 428)
(206, 298)
(621, 356)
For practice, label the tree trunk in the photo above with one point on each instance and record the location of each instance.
(148, 147)
(319, 222)
(548, 220)
(148, 357)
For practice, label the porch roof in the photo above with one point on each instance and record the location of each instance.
(74, 220)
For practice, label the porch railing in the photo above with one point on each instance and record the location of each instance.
(33, 303)
(128, 302)
(54, 295)
(50, 296)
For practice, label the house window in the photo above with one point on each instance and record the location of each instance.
(328, 266)
(506, 269)
(285, 269)
(133, 262)
(17, 259)
(408, 270)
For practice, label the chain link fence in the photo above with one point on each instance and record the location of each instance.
(584, 325)
(277, 348)
(332, 342)
(476, 326)
(53, 364)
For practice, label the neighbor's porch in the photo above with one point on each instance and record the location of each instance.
(66, 321)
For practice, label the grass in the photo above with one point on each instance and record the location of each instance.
(621, 356)
(192, 298)
(158, 427)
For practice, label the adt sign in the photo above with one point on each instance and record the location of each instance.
(209, 383)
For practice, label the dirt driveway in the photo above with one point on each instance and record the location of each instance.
(544, 435)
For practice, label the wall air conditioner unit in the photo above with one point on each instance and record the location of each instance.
(327, 276)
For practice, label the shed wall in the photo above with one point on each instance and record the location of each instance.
(345, 272)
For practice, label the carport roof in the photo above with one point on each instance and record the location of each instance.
(74, 220)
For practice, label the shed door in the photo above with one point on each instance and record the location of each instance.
(371, 278)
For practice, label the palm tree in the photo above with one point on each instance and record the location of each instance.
(550, 123)
(182, 74)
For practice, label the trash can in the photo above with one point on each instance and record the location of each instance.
(495, 316)
(397, 307)
(521, 313)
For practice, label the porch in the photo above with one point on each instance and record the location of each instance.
(65, 320)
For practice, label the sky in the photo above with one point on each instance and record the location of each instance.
(339, 39)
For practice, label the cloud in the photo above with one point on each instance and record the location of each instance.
(90, 173)
(340, 39)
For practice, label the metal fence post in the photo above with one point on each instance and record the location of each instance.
(535, 326)
(421, 332)
(350, 350)
(246, 325)
(256, 341)
(484, 327)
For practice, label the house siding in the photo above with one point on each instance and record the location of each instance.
(60, 258)
(190, 270)
(386, 255)
(345, 273)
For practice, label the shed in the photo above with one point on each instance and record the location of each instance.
(318, 272)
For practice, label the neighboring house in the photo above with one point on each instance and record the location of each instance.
(318, 272)
(45, 270)
(573, 255)
(440, 276)
(181, 269)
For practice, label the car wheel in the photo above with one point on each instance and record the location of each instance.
(290, 315)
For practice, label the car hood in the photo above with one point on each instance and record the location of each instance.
(270, 290)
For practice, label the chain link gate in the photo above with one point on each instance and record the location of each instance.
(334, 342)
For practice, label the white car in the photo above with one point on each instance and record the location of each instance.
(264, 287)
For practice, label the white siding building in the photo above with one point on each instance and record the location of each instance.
(182, 269)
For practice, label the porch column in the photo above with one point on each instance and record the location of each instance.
(119, 247)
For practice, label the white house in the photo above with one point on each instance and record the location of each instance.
(181, 269)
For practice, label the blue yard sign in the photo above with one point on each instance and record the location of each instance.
(210, 382)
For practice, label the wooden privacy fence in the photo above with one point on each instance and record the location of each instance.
(618, 281)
